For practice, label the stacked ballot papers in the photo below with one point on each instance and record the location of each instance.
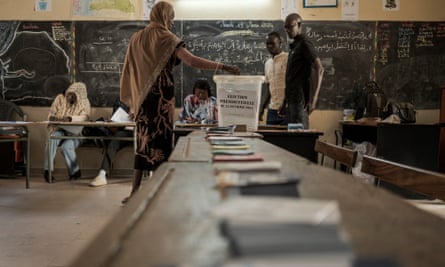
(278, 231)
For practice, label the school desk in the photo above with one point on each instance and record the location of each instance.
(77, 125)
(24, 137)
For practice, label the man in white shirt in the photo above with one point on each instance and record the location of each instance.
(275, 72)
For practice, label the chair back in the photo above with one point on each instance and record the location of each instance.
(340, 154)
(414, 179)
(10, 111)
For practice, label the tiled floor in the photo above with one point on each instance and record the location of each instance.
(49, 224)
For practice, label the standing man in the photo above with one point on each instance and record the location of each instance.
(275, 72)
(301, 89)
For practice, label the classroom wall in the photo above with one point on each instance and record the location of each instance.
(325, 120)
(430, 10)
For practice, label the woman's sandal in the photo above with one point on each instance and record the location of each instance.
(125, 200)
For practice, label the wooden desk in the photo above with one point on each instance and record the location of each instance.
(25, 138)
(300, 142)
(81, 137)
(416, 145)
(358, 132)
(168, 223)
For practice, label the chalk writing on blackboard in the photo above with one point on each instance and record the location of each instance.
(346, 50)
(410, 61)
(406, 58)
(241, 43)
(100, 52)
(32, 56)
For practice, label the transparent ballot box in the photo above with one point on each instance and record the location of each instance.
(238, 99)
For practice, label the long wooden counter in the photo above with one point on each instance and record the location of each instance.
(168, 222)
(300, 142)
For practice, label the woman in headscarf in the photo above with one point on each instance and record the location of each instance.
(73, 105)
(147, 87)
(200, 106)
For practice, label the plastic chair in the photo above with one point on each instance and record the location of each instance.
(15, 133)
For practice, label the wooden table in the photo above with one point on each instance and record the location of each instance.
(168, 223)
(300, 142)
(195, 148)
(358, 131)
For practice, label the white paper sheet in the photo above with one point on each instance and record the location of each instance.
(120, 115)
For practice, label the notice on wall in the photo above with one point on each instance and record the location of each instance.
(288, 7)
(391, 5)
(43, 5)
(147, 5)
(350, 9)
(104, 8)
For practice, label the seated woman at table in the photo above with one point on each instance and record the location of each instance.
(73, 105)
(112, 147)
(200, 107)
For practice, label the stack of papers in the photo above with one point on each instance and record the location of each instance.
(231, 157)
(272, 166)
(233, 152)
(232, 149)
(221, 129)
(224, 138)
(259, 184)
(275, 228)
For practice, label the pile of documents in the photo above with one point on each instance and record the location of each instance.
(279, 231)
(232, 148)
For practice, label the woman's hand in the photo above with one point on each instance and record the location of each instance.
(232, 69)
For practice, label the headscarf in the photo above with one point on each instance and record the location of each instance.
(147, 55)
(61, 108)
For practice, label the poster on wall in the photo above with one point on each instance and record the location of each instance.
(391, 5)
(349, 9)
(147, 5)
(43, 5)
(104, 8)
(288, 7)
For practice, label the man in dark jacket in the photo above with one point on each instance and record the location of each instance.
(301, 91)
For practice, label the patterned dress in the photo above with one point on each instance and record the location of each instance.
(154, 121)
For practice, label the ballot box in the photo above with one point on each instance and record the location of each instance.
(238, 99)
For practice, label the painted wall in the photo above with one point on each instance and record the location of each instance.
(431, 10)
(326, 121)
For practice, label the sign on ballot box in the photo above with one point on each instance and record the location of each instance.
(238, 99)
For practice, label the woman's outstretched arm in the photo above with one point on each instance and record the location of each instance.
(202, 63)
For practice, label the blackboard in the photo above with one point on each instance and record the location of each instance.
(351, 52)
(346, 50)
(410, 61)
(100, 53)
(241, 43)
(30, 52)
